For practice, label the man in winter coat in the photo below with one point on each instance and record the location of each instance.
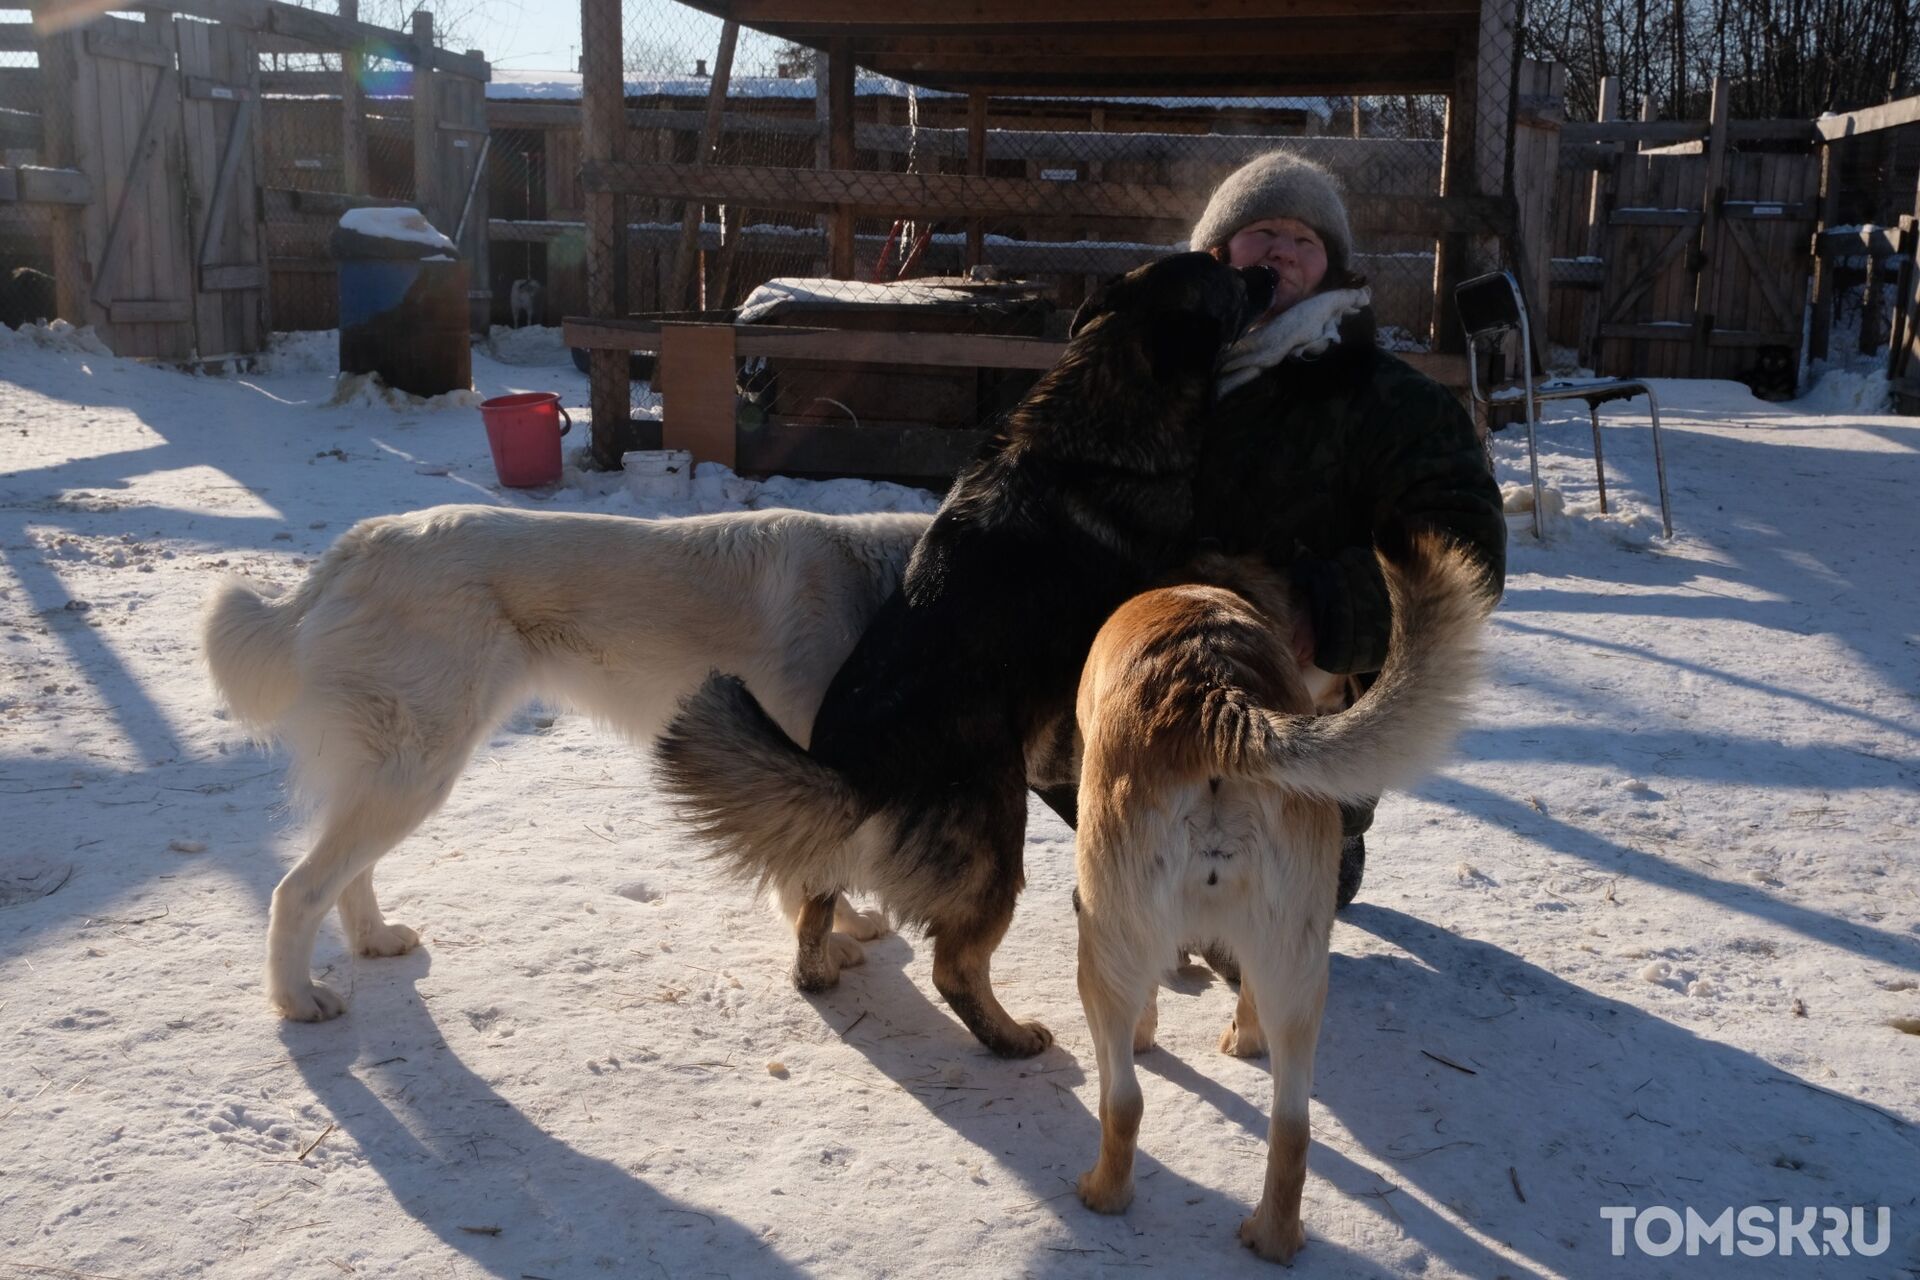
(1319, 435)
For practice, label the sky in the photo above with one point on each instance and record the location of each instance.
(544, 35)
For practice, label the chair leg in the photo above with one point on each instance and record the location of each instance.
(1660, 466)
(1533, 448)
(1599, 460)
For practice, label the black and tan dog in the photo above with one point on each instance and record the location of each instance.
(1209, 808)
(914, 787)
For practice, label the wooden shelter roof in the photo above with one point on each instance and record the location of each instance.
(1216, 48)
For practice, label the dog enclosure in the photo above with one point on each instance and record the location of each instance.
(1052, 146)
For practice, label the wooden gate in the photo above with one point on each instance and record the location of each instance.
(163, 115)
(1707, 258)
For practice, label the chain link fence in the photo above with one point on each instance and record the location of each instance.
(304, 179)
(26, 254)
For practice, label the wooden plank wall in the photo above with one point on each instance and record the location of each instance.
(149, 276)
(229, 314)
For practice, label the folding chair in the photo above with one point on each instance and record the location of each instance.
(1491, 308)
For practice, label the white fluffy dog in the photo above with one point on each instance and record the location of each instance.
(416, 634)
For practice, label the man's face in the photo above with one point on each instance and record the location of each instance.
(1291, 247)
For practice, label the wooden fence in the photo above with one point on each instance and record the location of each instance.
(1682, 247)
(157, 233)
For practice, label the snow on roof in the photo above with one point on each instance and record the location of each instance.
(564, 86)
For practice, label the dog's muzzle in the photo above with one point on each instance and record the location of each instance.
(1262, 283)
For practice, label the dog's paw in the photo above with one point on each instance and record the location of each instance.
(1273, 1239)
(1242, 1041)
(1104, 1199)
(1024, 1041)
(844, 951)
(388, 940)
(861, 926)
(316, 1003)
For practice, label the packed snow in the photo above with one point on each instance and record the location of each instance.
(1652, 939)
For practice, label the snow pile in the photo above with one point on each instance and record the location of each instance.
(370, 391)
(1850, 388)
(58, 335)
(302, 351)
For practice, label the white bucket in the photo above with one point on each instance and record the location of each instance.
(655, 475)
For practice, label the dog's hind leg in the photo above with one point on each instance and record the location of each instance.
(861, 926)
(822, 953)
(356, 832)
(1115, 992)
(1290, 1013)
(1244, 1037)
(963, 948)
(367, 928)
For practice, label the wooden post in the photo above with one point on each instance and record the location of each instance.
(1599, 204)
(1536, 161)
(1820, 329)
(602, 123)
(59, 82)
(822, 148)
(1706, 269)
(353, 117)
(689, 255)
(840, 103)
(1458, 176)
(426, 126)
(977, 166)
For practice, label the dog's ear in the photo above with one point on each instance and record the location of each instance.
(1099, 302)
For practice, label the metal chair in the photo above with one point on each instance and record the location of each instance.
(1491, 308)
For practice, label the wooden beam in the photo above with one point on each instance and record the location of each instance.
(1408, 33)
(840, 153)
(688, 257)
(427, 196)
(961, 196)
(30, 184)
(848, 17)
(1851, 124)
(787, 446)
(353, 123)
(854, 346)
(1666, 132)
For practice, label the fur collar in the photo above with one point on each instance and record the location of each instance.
(1305, 329)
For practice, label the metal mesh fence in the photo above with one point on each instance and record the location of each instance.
(304, 181)
(995, 225)
(26, 259)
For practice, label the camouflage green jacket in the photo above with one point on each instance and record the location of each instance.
(1301, 463)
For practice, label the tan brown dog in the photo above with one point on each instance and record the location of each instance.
(1209, 808)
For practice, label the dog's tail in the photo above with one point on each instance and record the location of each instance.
(1401, 727)
(247, 639)
(768, 808)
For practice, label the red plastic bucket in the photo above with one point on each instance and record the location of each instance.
(524, 433)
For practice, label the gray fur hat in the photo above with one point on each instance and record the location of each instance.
(1277, 185)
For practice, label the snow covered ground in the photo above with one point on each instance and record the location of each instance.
(1652, 940)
